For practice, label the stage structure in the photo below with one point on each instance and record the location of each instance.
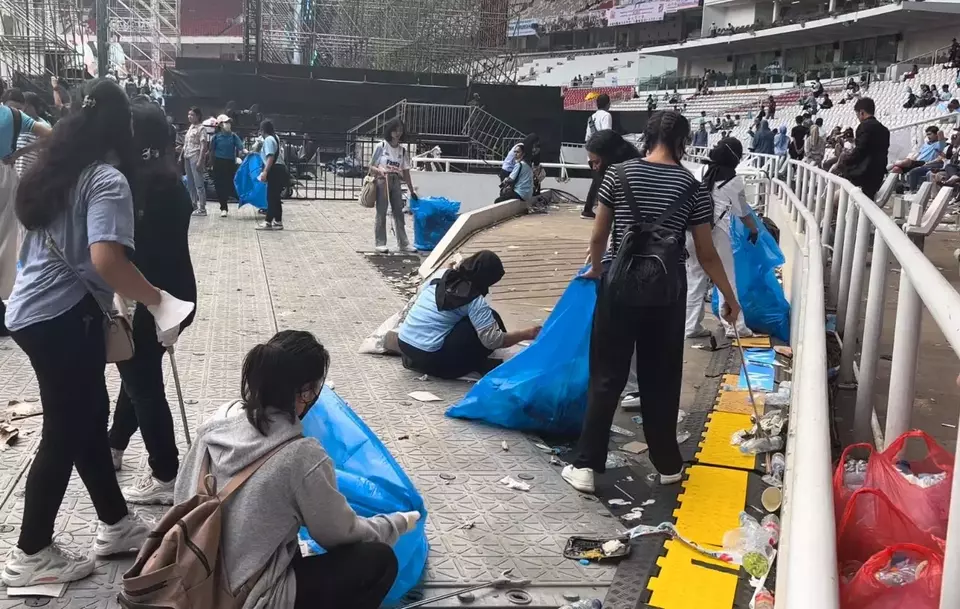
(423, 36)
(40, 38)
(144, 35)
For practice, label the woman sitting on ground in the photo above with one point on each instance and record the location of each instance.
(451, 330)
(519, 184)
(296, 486)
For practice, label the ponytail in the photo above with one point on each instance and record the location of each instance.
(668, 128)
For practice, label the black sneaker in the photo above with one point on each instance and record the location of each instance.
(588, 215)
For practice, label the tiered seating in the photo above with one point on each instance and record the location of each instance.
(607, 69)
(715, 104)
(575, 99)
(211, 18)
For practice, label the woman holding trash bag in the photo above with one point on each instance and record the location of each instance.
(295, 486)
(162, 207)
(451, 330)
(390, 164)
(76, 205)
(729, 200)
(604, 149)
(664, 193)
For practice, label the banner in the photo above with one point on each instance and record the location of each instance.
(522, 27)
(636, 13)
(672, 6)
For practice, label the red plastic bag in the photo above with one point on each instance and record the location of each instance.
(841, 493)
(871, 523)
(904, 576)
(927, 507)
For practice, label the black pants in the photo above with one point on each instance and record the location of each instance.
(276, 181)
(592, 193)
(358, 576)
(3, 313)
(143, 402)
(656, 334)
(68, 356)
(507, 197)
(223, 171)
(461, 353)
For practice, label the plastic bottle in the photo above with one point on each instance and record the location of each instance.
(771, 524)
(759, 445)
(587, 603)
(763, 599)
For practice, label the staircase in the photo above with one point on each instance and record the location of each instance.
(487, 137)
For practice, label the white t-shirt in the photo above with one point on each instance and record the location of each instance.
(729, 200)
(393, 159)
(598, 121)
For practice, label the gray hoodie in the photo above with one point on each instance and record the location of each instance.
(296, 487)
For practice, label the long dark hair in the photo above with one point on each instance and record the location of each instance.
(156, 167)
(667, 128)
(96, 131)
(32, 99)
(612, 149)
(275, 373)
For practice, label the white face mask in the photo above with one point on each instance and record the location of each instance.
(226, 127)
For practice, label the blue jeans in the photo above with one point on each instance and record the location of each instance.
(195, 183)
(918, 174)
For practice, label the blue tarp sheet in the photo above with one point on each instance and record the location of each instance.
(432, 218)
(250, 190)
(371, 480)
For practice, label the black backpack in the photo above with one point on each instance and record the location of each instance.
(647, 269)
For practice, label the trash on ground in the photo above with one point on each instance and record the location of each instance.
(753, 542)
(763, 599)
(612, 547)
(596, 548)
(544, 448)
(468, 525)
(620, 431)
(683, 436)
(778, 464)
(8, 435)
(772, 499)
(22, 410)
(425, 377)
(404, 437)
(648, 502)
(759, 445)
(615, 460)
(636, 447)
(948, 425)
(618, 501)
(587, 603)
(514, 484)
(584, 562)
(45, 590)
(555, 460)
(668, 529)
(634, 514)
(637, 420)
(681, 415)
(504, 447)
(423, 396)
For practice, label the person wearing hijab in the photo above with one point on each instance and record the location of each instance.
(814, 147)
(781, 143)
(729, 199)
(763, 139)
(451, 330)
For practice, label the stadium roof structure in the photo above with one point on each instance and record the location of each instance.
(439, 36)
(882, 20)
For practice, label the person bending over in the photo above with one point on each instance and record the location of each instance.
(604, 149)
(451, 330)
(296, 486)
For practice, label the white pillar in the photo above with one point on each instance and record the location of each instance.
(870, 351)
(903, 367)
(833, 6)
(776, 11)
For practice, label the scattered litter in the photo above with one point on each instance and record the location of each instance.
(681, 415)
(544, 447)
(554, 460)
(648, 502)
(404, 437)
(549, 309)
(8, 435)
(625, 493)
(637, 420)
(683, 436)
(424, 396)
(615, 460)
(504, 447)
(13, 402)
(948, 425)
(21, 410)
(425, 377)
(628, 479)
(514, 484)
(925, 480)
(612, 547)
(468, 525)
(620, 431)
(596, 548)
(618, 501)
(854, 473)
(635, 447)
(513, 247)
(46, 590)
(584, 562)
(634, 514)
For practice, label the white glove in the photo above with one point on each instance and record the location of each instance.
(168, 338)
(412, 519)
(170, 313)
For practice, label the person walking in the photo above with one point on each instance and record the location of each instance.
(391, 164)
(162, 208)
(604, 150)
(274, 175)
(657, 189)
(195, 147)
(729, 200)
(601, 119)
(78, 210)
(226, 146)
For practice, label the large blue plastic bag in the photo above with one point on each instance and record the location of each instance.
(432, 218)
(544, 387)
(765, 308)
(249, 188)
(371, 480)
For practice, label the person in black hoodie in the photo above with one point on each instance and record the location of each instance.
(162, 210)
(866, 165)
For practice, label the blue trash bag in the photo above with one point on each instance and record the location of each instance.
(765, 308)
(544, 387)
(371, 480)
(249, 188)
(432, 218)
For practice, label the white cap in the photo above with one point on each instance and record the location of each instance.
(223, 118)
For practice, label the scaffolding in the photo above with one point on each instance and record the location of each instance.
(426, 36)
(147, 32)
(42, 38)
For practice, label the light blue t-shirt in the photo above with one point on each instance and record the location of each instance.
(510, 161)
(271, 148)
(100, 209)
(6, 129)
(426, 327)
(929, 151)
(522, 176)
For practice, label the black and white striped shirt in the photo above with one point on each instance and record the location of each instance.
(655, 188)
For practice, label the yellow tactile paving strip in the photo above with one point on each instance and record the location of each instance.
(684, 585)
(715, 448)
(711, 503)
(762, 342)
(737, 402)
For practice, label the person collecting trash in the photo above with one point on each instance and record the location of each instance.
(295, 486)
(729, 199)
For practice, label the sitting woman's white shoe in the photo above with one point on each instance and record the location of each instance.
(580, 478)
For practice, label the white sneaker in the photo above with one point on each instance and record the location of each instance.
(51, 565)
(579, 478)
(672, 479)
(264, 226)
(382, 249)
(122, 538)
(745, 333)
(223, 213)
(277, 225)
(630, 401)
(147, 490)
(117, 456)
(409, 249)
(701, 333)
